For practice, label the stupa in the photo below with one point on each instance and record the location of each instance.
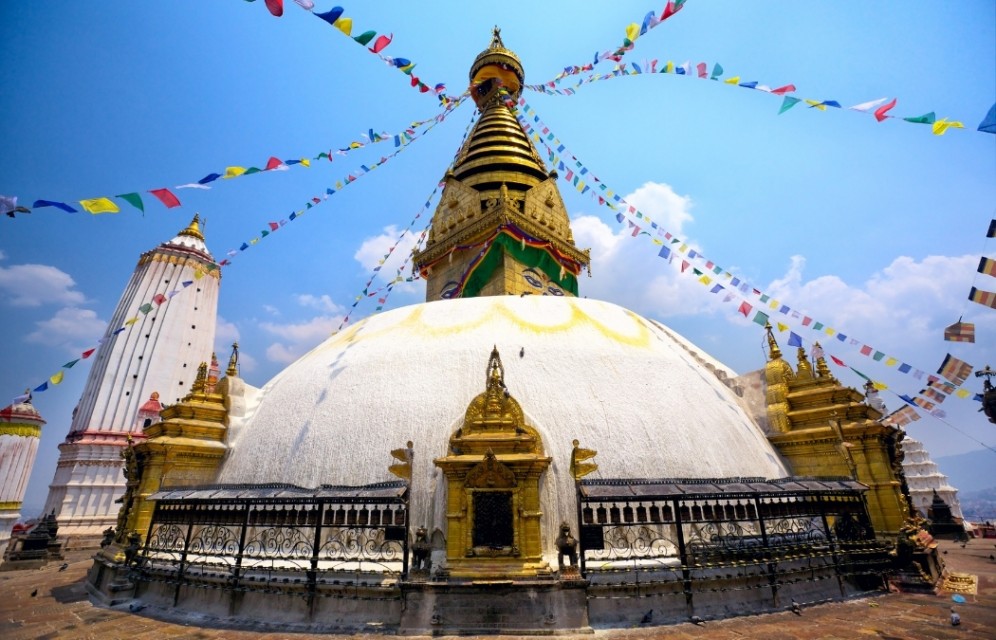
(561, 463)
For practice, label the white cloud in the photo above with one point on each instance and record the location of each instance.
(321, 303)
(3, 256)
(270, 309)
(373, 250)
(70, 327)
(31, 285)
(665, 207)
(296, 339)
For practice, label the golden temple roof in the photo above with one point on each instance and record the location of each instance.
(193, 229)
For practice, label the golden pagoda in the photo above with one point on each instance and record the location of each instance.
(501, 226)
(823, 428)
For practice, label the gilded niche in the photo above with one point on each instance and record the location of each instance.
(493, 471)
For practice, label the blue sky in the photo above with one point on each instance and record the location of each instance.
(873, 228)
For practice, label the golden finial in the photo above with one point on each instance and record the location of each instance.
(804, 369)
(496, 371)
(496, 42)
(773, 351)
(194, 228)
(233, 361)
(822, 370)
(201, 379)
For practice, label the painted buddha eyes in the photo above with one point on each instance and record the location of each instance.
(555, 291)
(532, 278)
(449, 290)
(536, 281)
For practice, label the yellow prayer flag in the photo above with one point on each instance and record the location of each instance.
(963, 393)
(773, 304)
(829, 331)
(814, 103)
(254, 241)
(782, 327)
(57, 378)
(345, 25)
(943, 125)
(881, 386)
(656, 241)
(306, 162)
(669, 67)
(99, 205)
(733, 80)
(581, 186)
(891, 362)
(198, 274)
(609, 194)
(233, 172)
(633, 32)
(131, 321)
(705, 279)
(338, 184)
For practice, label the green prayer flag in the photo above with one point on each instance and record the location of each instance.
(69, 365)
(765, 298)
(145, 308)
(366, 37)
(133, 199)
(761, 318)
(251, 170)
(817, 326)
(878, 356)
(787, 103)
(717, 71)
(927, 118)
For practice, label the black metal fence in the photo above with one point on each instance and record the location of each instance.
(242, 537)
(742, 532)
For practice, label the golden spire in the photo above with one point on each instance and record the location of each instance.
(193, 229)
(822, 370)
(774, 352)
(201, 380)
(233, 361)
(805, 371)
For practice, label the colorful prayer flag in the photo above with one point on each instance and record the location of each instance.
(954, 369)
(881, 111)
(986, 298)
(86, 354)
(794, 339)
(57, 378)
(960, 332)
(744, 309)
(52, 203)
(166, 197)
(987, 266)
(99, 205)
(761, 318)
(134, 200)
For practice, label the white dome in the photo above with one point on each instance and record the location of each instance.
(589, 370)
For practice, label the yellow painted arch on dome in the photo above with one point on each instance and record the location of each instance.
(415, 323)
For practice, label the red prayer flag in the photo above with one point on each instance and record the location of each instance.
(702, 70)
(780, 91)
(273, 163)
(159, 299)
(86, 354)
(684, 265)
(381, 42)
(166, 197)
(274, 226)
(806, 320)
(276, 7)
(837, 361)
(744, 309)
(881, 111)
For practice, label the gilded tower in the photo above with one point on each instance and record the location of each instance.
(501, 227)
(166, 338)
(823, 428)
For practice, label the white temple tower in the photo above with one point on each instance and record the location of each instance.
(162, 329)
(20, 430)
(924, 478)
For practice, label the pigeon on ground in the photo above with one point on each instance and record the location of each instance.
(796, 608)
(64, 566)
(955, 618)
(34, 593)
(696, 620)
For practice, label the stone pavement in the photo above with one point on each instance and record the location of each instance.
(60, 608)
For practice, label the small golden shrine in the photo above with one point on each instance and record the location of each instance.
(493, 474)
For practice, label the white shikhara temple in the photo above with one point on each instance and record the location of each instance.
(20, 431)
(157, 353)
(924, 478)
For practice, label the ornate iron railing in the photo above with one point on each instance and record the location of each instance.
(252, 536)
(683, 532)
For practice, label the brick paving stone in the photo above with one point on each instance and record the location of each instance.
(61, 609)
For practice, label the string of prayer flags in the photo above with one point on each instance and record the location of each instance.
(633, 31)
(878, 108)
(988, 124)
(344, 24)
(160, 299)
(567, 164)
(170, 200)
(987, 266)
